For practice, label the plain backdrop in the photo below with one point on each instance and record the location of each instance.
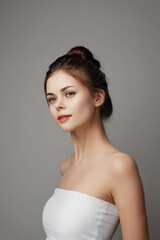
(124, 35)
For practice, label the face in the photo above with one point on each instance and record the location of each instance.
(64, 100)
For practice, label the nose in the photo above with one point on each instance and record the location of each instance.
(59, 104)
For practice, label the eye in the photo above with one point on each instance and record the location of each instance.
(50, 99)
(70, 93)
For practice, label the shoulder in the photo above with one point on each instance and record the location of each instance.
(122, 163)
(126, 179)
(119, 167)
(128, 194)
(65, 164)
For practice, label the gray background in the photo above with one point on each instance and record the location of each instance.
(125, 36)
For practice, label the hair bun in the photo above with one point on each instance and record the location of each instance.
(84, 53)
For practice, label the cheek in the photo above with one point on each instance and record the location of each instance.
(53, 112)
(82, 108)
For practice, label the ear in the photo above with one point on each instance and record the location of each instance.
(99, 97)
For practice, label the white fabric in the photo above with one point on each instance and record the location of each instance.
(72, 215)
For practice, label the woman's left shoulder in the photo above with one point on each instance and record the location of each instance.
(123, 162)
(128, 194)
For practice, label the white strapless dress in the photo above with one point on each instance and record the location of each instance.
(72, 215)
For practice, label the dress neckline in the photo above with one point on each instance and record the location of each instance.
(85, 194)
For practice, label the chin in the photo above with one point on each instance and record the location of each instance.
(72, 128)
(69, 128)
(66, 128)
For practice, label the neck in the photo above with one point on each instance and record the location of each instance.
(89, 140)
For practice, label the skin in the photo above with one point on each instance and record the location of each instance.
(98, 168)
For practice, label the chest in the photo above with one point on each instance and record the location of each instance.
(91, 178)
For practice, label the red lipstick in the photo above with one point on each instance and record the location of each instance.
(62, 118)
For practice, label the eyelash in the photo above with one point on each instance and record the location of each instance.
(49, 100)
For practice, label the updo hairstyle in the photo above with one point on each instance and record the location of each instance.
(79, 63)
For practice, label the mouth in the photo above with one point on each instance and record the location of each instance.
(64, 117)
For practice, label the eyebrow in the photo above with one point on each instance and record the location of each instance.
(62, 90)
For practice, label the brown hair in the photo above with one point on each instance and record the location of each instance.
(80, 64)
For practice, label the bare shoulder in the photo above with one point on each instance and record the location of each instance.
(128, 194)
(123, 163)
(65, 164)
(126, 179)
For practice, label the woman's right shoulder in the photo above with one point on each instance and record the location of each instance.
(65, 164)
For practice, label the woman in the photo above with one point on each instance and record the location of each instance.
(100, 185)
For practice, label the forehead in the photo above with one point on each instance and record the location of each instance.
(61, 79)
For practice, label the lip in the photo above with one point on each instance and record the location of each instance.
(66, 117)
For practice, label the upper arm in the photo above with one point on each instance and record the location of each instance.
(128, 194)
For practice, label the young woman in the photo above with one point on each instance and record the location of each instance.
(100, 185)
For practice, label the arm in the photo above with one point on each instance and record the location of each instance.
(127, 191)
